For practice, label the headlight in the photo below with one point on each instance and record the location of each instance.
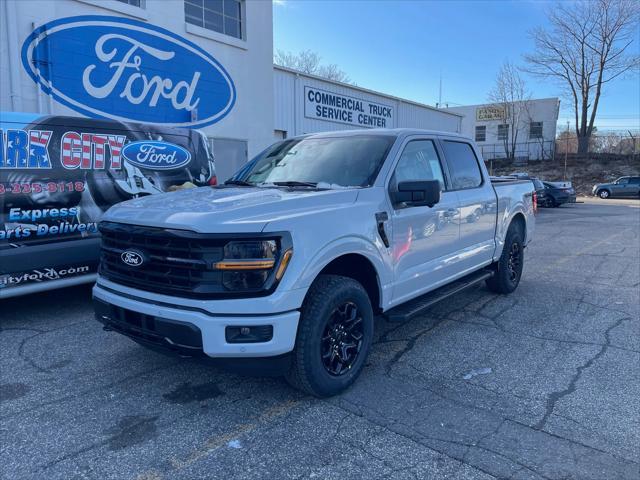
(251, 265)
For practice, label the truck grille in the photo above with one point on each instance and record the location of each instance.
(172, 262)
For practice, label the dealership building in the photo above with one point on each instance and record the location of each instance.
(205, 64)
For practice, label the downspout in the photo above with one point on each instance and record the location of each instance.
(296, 80)
(15, 87)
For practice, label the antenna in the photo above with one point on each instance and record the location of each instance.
(440, 90)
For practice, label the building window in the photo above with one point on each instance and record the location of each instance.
(223, 16)
(481, 133)
(535, 130)
(135, 3)
(503, 131)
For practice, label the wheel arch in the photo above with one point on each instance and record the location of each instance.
(359, 268)
(353, 258)
(520, 220)
(519, 216)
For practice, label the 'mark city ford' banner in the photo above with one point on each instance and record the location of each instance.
(324, 105)
(126, 70)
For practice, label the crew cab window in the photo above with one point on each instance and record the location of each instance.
(463, 165)
(419, 161)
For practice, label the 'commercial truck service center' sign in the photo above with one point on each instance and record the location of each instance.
(323, 105)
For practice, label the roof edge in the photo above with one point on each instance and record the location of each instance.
(365, 90)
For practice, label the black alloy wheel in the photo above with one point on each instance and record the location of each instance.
(514, 262)
(508, 269)
(335, 333)
(342, 339)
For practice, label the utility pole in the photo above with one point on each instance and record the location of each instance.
(566, 151)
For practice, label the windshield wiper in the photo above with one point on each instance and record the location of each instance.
(240, 183)
(293, 183)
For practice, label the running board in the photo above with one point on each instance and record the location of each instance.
(414, 307)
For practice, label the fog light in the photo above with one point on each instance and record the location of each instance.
(249, 334)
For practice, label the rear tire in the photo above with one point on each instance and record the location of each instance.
(604, 194)
(508, 270)
(334, 336)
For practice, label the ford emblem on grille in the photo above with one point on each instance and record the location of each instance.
(132, 258)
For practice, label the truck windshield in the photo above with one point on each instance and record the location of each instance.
(351, 161)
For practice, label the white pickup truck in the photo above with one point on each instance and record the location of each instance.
(286, 264)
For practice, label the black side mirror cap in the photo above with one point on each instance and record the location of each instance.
(417, 193)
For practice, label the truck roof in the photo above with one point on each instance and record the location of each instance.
(380, 131)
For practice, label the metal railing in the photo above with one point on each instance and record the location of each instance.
(523, 152)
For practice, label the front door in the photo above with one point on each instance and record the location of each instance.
(424, 238)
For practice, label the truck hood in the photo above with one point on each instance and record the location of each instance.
(227, 210)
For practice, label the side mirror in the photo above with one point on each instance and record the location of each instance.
(417, 193)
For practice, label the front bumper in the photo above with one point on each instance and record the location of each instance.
(192, 332)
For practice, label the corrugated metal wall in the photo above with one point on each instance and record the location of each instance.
(290, 115)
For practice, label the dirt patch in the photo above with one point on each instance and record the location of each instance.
(584, 173)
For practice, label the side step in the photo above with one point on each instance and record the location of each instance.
(418, 305)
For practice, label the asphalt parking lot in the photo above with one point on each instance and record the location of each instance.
(544, 383)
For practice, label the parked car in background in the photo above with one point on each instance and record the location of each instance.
(622, 187)
(541, 193)
(556, 195)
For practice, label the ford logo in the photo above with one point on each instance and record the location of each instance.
(123, 69)
(132, 258)
(156, 155)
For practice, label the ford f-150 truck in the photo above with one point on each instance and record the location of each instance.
(287, 263)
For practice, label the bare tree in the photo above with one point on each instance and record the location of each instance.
(309, 62)
(585, 47)
(511, 99)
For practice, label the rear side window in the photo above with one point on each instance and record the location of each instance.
(463, 165)
(635, 180)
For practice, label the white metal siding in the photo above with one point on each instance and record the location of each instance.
(289, 112)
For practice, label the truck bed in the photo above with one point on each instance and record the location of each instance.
(507, 180)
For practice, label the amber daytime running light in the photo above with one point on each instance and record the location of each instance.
(247, 265)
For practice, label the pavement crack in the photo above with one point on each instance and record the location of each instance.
(548, 339)
(410, 343)
(555, 397)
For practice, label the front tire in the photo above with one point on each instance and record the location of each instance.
(604, 194)
(508, 269)
(334, 336)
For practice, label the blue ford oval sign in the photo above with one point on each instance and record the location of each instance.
(156, 155)
(123, 69)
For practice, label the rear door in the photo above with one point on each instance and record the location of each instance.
(478, 204)
(424, 238)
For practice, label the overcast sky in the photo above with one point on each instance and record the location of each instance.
(400, 48)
